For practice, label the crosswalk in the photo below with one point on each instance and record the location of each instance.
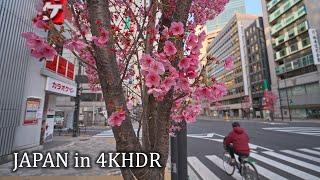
(312, 131)
(275, 165)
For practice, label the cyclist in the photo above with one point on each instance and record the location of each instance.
(237, 142)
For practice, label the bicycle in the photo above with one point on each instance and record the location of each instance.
(245, 167)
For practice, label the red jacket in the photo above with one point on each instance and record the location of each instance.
(240, 140)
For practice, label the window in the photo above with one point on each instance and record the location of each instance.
(313, 88)
(294, 48)
(298, 90)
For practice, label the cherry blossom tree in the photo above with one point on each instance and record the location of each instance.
(155, 44)
(269, 100)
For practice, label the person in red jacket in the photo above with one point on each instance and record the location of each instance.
(237, 142)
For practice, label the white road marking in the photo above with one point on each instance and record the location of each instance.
(201, 169)
(219, 162)
(311, 158)
(252, 146)
(294, 161)
(310, 151)
(312, 131)
(274, 128)
(268, 174)
(284, 167)
(318, 148)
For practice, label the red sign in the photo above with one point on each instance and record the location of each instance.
(54, 10)
(61, 66)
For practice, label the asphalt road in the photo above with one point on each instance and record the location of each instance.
(280, 150)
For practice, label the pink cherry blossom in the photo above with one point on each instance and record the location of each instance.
(39, 48)
(102, 39)
(33, 40)
(117, 118)
(168, 83)
(130, 105)
(152, 79)
(184, 64)
(165, 32)
(75, 45)
(176, 28)
(157, 93)
(40, 23)
(219, 90)
(157, 67)
(192, 40)
(146, 61)
(191, 74)
(183, 84)
(169, 48)
(191, 112)
(228, 63)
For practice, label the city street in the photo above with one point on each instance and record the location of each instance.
(289, 150)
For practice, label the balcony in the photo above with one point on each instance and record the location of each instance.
(294, 48)
(288, 20)
(282, 9)
(296, 64)
(292, 33)
(272, 4)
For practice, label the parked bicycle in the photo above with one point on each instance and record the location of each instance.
(244, 165)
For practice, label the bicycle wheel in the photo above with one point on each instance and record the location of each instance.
(249, 172)
(226, 164)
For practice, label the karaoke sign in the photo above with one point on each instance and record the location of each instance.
(54, 11)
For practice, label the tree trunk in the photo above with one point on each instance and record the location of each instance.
(156, 119)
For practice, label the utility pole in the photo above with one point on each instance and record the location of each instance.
(285, 86)
(77, 103)
(179, 154)
(280, 99)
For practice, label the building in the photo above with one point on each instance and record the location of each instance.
(257, 57)
(28, 87)
(233, 7)
(231, 42)
(292, 34)
(91, 106)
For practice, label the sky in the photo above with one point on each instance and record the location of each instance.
(253, 7)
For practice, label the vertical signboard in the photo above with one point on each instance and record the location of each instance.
(32, 111)
(315, 45)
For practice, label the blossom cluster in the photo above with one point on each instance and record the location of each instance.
(173, 69)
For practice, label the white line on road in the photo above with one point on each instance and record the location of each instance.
(311, 158)
(219, 162)
(252, 146)
(266, 173)
(318, 148)
(275, 128)
(310, 151)
(201, 169)
(284, 167)
(294, 161)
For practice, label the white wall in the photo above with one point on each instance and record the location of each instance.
(27, 136)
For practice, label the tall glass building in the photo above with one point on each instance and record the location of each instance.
(234, 6)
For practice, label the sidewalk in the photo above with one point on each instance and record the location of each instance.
(85, 145)
(89, 146)
(209, 118)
